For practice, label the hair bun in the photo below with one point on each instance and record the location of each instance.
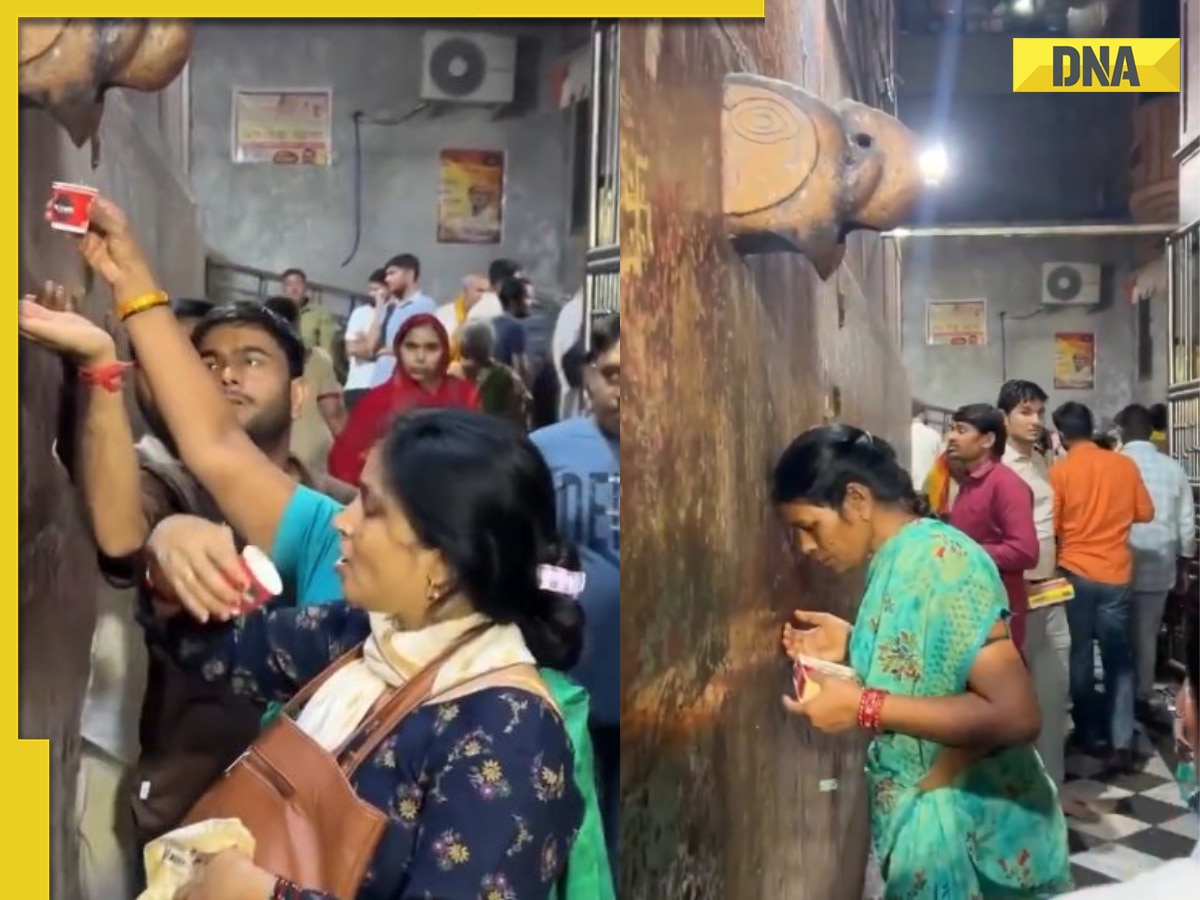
(861, 439)
(555, 634)
(553, 630)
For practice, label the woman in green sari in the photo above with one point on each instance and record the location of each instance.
(961, 808)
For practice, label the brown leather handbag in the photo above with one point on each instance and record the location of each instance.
(296, 798)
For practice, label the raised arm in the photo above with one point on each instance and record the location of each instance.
(104, 463)
(250, 490)
(374, 335)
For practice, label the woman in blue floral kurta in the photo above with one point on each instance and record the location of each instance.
(961, 807)
(455, 526)
(477, 791)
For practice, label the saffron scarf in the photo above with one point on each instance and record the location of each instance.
(939, 486)
(460, 319)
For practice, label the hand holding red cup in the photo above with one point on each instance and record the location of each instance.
(262, 580)
(70, 207)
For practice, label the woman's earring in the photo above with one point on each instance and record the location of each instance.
(431, 591)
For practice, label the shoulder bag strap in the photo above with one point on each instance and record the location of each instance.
(386, 716)
(305, 693)
(520, 676)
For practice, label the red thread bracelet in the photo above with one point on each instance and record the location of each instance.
(108, 376)
(870, 709)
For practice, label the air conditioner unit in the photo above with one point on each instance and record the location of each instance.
(1070, 284)
(469, 67)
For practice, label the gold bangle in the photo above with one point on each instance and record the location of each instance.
(142, 303)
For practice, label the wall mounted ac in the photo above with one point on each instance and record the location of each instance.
(468, 67)
(1070, 284)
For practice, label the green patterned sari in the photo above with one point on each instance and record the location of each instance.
(997, 830)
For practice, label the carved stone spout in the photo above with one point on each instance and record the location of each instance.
(66, 65)
(799, 175)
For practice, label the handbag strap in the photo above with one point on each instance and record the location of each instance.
(305, 693)
(386, 716)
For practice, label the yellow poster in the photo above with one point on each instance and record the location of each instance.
(1074, 360)
(471, 197)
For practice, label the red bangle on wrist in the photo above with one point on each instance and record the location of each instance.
(109, 376)
(870, 709)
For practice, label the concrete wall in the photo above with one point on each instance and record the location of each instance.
(1013, 157)
(728, 359)
(273, 217)
(60, 604)
(1007, 272)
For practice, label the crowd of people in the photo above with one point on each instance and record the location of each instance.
(997, 562)
(428, 706)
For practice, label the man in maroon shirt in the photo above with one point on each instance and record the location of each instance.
(994, 506)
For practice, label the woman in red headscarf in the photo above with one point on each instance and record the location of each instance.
(422, 350)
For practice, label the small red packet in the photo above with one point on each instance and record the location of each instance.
(71, 206)
(263, 582)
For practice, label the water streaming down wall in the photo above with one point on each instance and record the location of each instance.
(723, 796)
(60, 592)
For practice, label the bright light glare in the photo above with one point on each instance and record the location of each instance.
(934, 164)
(1023, 7)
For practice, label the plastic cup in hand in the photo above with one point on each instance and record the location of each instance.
(71, 207)
(263, 581)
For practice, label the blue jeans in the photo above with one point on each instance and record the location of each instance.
(1100, 613)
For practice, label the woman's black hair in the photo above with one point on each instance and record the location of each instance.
(986, 419)
(606, 334)
(823, 462)
(479, 491)
(513, 294)
(1074, 422)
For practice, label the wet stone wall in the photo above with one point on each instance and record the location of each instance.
(59, 581)
(723, 796)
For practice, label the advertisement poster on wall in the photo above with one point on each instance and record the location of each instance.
(282, 127)
(956, 323)
(1074, 361)
(470, 197)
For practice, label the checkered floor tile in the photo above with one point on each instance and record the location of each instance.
(1137, 821)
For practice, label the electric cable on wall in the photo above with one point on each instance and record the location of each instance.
(358, 117)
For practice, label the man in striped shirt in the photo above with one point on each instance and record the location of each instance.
(1160, 548)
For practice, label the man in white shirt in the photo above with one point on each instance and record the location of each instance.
(358, 346)
(475, 304)
(403, 275)
(568, 331)
(926, 446)
(1047, 635)
(1160, 548)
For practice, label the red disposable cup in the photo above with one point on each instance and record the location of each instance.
(263, 581)
(71, 206)
(799, 676)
